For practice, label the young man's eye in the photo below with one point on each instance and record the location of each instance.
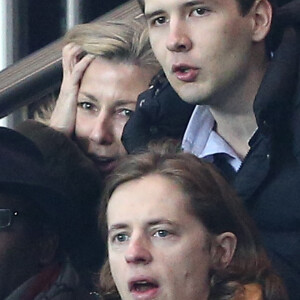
(121, 238)
(200, 11)
(159, 21)
(162, 233)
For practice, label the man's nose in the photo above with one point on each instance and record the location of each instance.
(178, 38)
(102, 131)
(138, 251)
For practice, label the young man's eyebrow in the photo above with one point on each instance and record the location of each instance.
(150, 15)
(116, 227)
(161, 221)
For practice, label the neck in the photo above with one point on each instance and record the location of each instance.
(236, 129)
(234, 114)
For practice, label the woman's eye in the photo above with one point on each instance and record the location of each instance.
(161, 233)
(121, 237)
(199, 11)
(126, 112)
(87, 105)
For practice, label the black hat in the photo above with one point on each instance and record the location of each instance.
(22, 169)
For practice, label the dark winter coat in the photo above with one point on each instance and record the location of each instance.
(269, 179)
(77, 175)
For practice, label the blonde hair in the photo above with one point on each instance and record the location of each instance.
(119, 41)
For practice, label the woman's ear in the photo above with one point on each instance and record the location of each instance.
(223, 249)
(262, 18)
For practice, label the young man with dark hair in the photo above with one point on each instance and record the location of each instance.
(238, 61)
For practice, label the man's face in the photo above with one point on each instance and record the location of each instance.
(205, 47)
(157, 249)
(107, 96)
(18, 257)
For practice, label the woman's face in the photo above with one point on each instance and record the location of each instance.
(107, 96)
(157, 248)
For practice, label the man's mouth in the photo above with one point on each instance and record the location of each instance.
(185, 72)
(144, 288)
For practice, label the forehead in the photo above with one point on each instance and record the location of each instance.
(148, 198)
(153, 5)
(104, 70)
(112, 79)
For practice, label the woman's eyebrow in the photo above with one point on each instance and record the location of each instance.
(88, 95)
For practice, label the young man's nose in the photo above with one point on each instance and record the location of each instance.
(178, 37)
(138, 252)
(102, 131)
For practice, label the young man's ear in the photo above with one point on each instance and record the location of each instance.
(223, 249)
(262, 17)
(261, 13)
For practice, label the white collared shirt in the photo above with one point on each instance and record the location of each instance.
(201, 140)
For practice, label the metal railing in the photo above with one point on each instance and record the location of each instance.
(36, 75)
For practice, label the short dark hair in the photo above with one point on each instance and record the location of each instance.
(214, 203)
(245, 5)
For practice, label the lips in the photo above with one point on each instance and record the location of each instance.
(185, 72)
(143, 288)
(104, 164)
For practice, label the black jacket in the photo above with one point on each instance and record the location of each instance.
(160, 114)
(269, 179)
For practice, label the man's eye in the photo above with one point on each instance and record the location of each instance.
(161, 233)
(159, 21)
(121, 237)
(200, 11)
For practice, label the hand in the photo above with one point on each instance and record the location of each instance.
(64, 115)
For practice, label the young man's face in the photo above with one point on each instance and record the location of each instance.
(157, 249)
(205, 47)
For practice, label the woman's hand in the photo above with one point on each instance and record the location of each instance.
(64, 115)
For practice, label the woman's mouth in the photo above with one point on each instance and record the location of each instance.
(104, 164)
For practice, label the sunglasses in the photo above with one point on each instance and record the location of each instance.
(6, 217)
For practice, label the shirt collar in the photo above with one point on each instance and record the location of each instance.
(201, 140)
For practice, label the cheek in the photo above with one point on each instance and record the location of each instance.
(157, 45)
(83, 125)
(118, 128)
(192, 268)
(118, 271)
